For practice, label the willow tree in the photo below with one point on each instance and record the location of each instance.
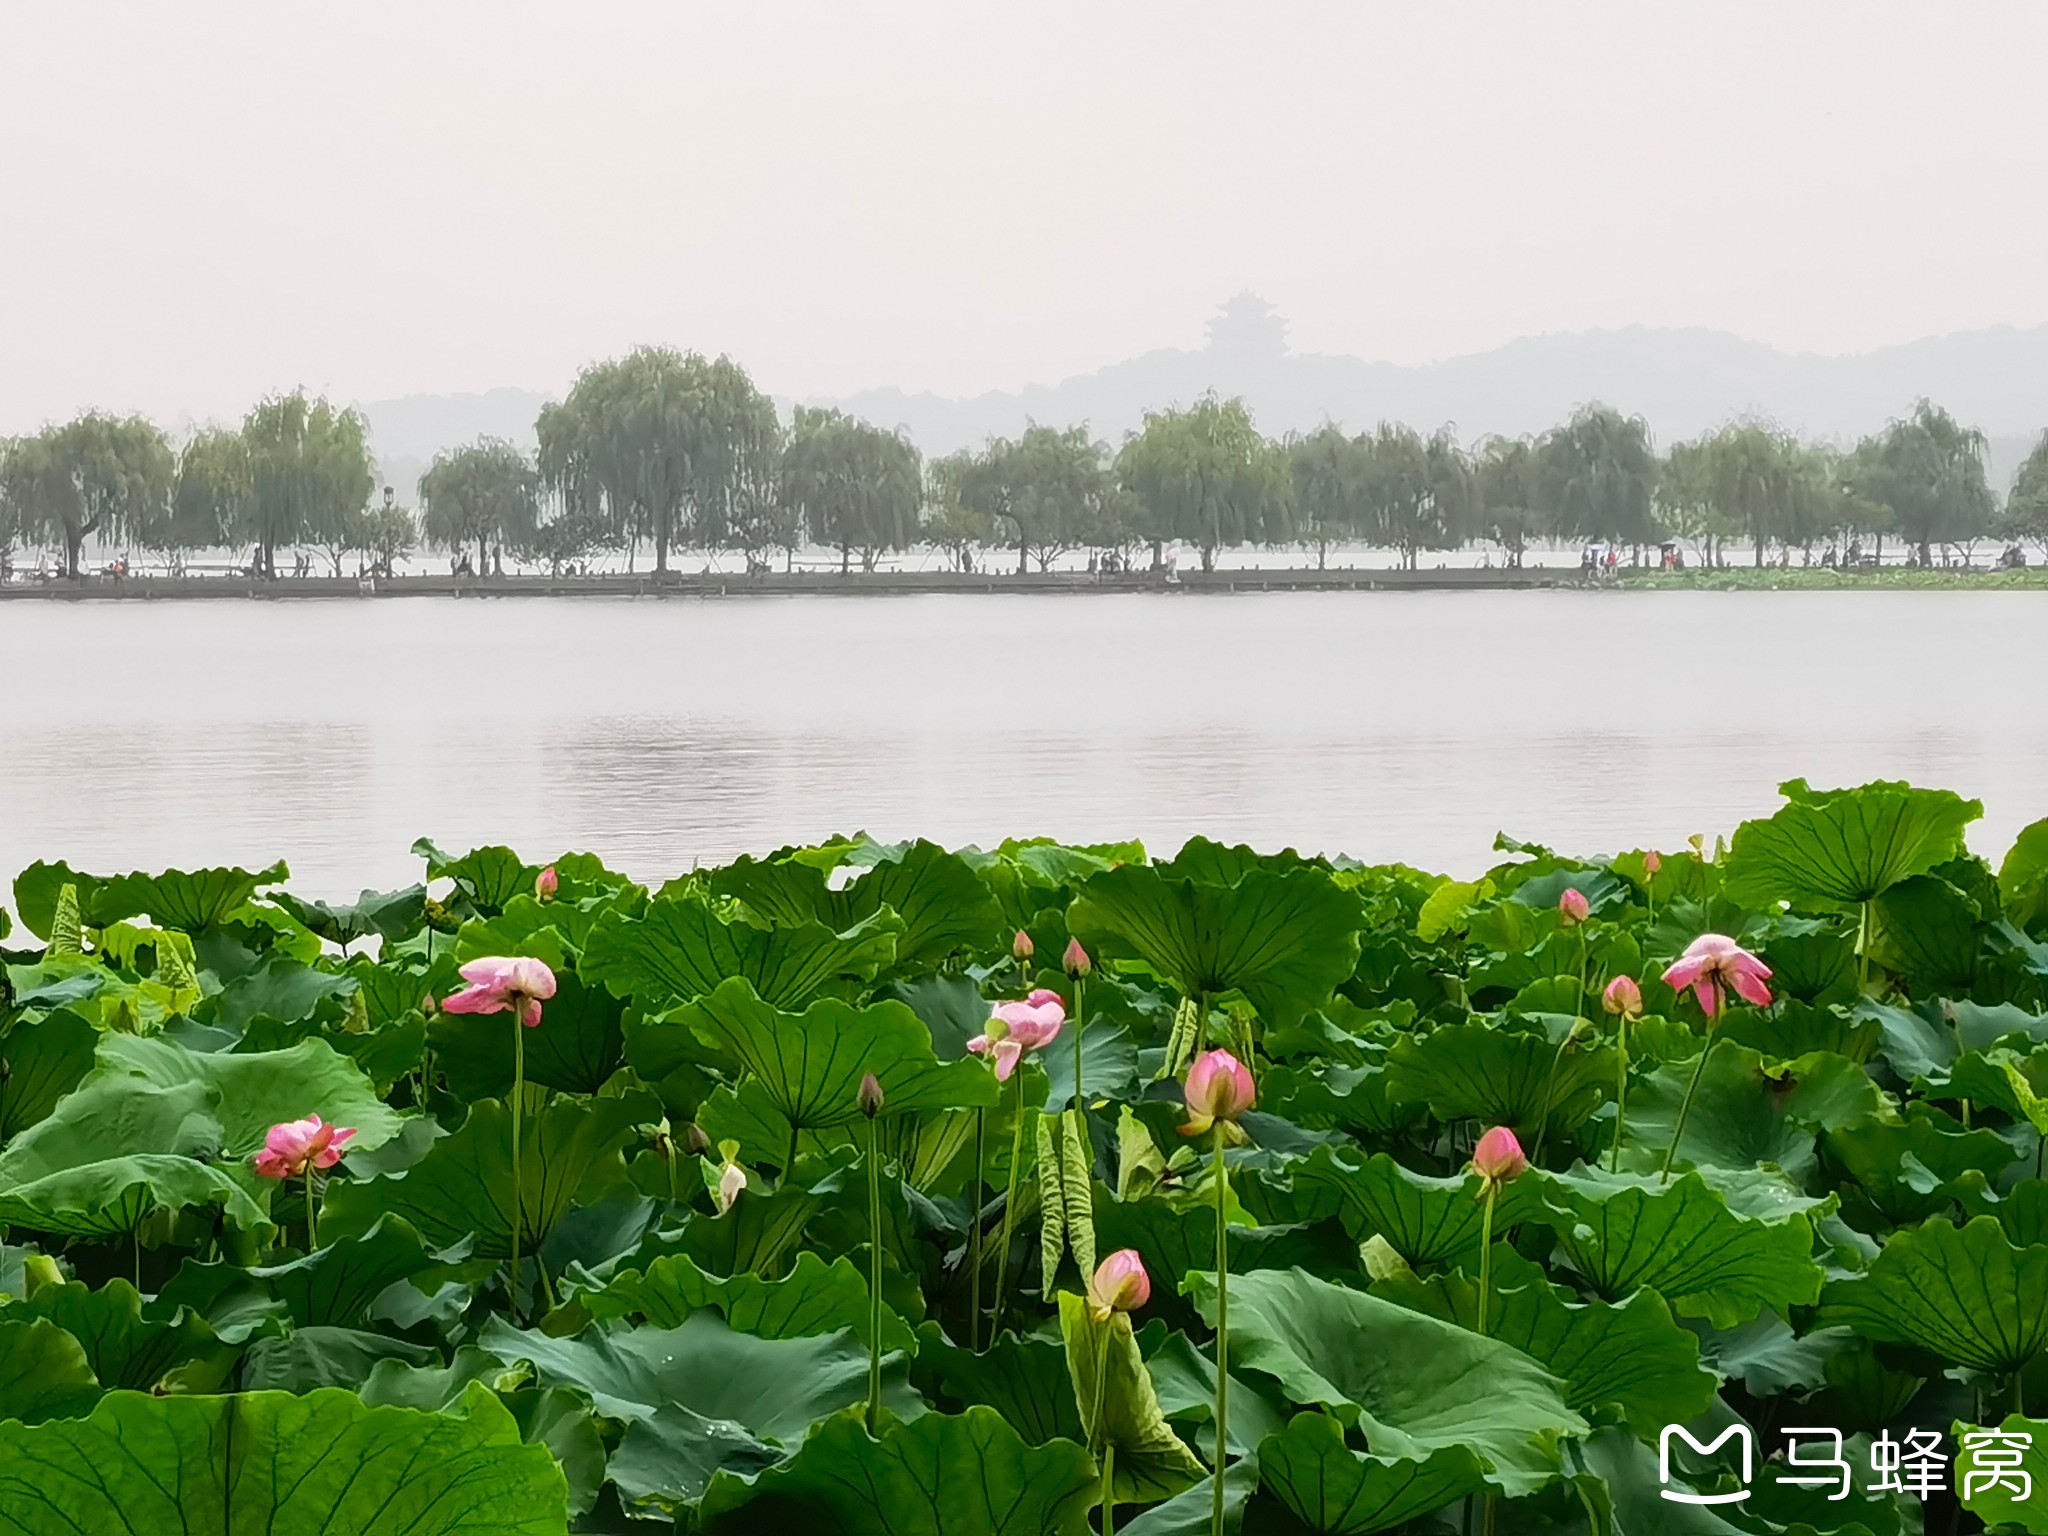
(2026, 505)
(1049, 491)
(1757, 480)
(210, 503)
(1208, 476)
(1419, 490)
(1507, 502)
(309, 473)
(1597, 477)
(855, 486)
(669, 446)
(1928, 469)
(99, 475)
(486, 494)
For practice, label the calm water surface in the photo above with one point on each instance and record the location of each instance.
(660, 734)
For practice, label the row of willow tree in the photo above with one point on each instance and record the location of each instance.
(677, 451)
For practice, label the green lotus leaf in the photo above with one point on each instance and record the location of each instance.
(1022, 1377)
(1336, 1491)
(389, 914)
(489, 877)
(813, 1298)
(1630, 1357)
(1334, 1095)
(2007, 1079)
(1190, 1512)
(1844, 847)
(1686, 1240)
(1811, 962)
(1414, 1384)
(123, 1347)
(1909, 1170)
(263, 1462)
(188, 900)
(776, 1388)
(306, 1359)
(1426, 1220)
(665, 1461)
(940, 1475)
(1120, 1409)
(44, 1374)
(1624, 1487)
(1990, 1485)
(1794, 1029)
(679, 949)
(44, 1060)
(1501, 1075)
(1928, 932)
(280, 988)
(1965, 1294)
(1748, 1111)
(2023, 879)
(943, 905)
(1175, 1236)
(1283, 940)
(576, 1047)
(1184, 1380)
(1109, 1066)
(812, 1062)
(462, 1188)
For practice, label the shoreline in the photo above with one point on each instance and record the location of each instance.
(678, 584)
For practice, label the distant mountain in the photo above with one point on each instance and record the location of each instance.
(1682, 381)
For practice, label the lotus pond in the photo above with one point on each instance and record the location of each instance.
(868, 1188)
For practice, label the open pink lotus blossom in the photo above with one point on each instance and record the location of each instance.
(1623, 997)
(1498, 1156)
(1573, 907)
(1714, 961)
(546, 883)
(293, 1146)
(1219, 1087)
(1015, 1028)
(499, 983)
(1119, 1284)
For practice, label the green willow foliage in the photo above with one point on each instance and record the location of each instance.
(1850, 1231)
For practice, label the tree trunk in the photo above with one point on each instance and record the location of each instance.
(1023, 557)
(845, 559)
(72, 544)
(483, 557)
(1208, 558)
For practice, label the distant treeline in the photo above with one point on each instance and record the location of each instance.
(678, 451)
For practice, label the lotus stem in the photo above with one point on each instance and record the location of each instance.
(312, 1226)
(1096, 1431)
(1079, 983)
(518, 1104)
(1009, 1210)
(1486, 1253)
(1550, 1090)
(1684, 1109)
(1620, 1088)
(1222, 1181)
(1109, 1489)
(1864, 925)
(874, 1277)
(974, 1189)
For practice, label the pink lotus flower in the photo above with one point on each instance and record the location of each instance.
(1622, 996)
(1573, 907)
(1219, 1087)
(1021, 947)
(732, 1180)
(1119, 1284)
(870, 1096)
(1015, 1028)
(294, 1146)
(1076, 959)
(1714, 961)
(499, 983)
(1498, 1156)
(1652, 862)
(546, 883)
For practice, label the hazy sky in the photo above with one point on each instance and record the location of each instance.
(209, 200)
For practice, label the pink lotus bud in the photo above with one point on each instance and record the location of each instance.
(731, 1181)
(1076, 959)
(1219, 1087)
(1021, 947)
(428, 1006)
(1652, 862)
(695, 1139)
(1498, 1157)
(1119, 1284)
(870, 1096)
(294, 1146)
(1573, 907)
(500, 983)
(546, 883)
(1623, 997)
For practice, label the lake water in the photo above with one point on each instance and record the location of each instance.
(662, 733)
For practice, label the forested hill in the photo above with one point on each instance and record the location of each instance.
(1683, 382)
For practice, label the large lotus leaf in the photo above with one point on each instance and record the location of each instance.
(1965, 1294)
(489, 877)
(1184, 1380)
(753, 1235)
(1683, 1239)
(776, 1388)
(812, 1062)
(1335, 1094)
(1416, 1385)
(58, 1176)
(665, 1461)
(265, 1463)
(2003, 1078)
(576, 1047)
(391, 914)
(1426, 1220)
(1928, 933)
(1176, 1236)
(41, 1060)
(1336, 1491)
(813, 1298)
(1794, 1029)
(336, 1284)
(1632, 1357)
(1502, 1075)
(2017, 1448)
(283, 989)
(1909, 1170)
(680, 949)
(939, 1475)
(1109, 1066)
(1283, 940)
(1748, 1111)
(1844, 847)
(2023, 879)
(44, 1374)
(1023, 1377)
(258, 1089)
(1811, 961)
(123, 1347)
(183, 899)
(569, 1154)
(1190, 1513)
(307, 1359)
(941, 901)
(1120, 1409)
